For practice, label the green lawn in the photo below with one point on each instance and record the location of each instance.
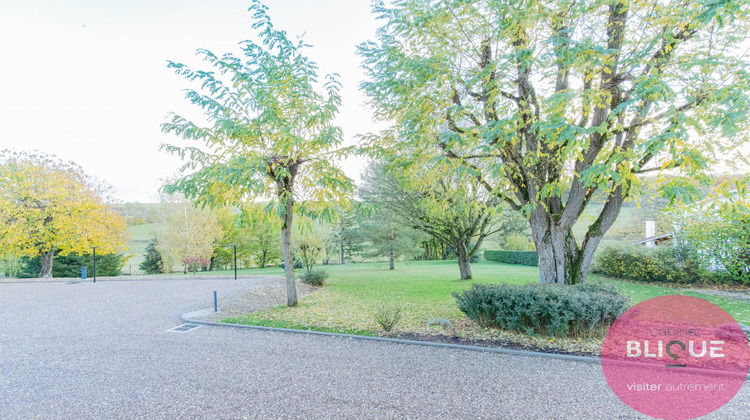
(739, 309)
(422, 290)
(355, 292)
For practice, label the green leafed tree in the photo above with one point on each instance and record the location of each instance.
(548, 103)
(450, 207)
(259, 237)
(269, 132)
(384, 237)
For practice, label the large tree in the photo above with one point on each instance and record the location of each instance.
(547, 103)
(48, 206)
(450, 207)
(270, 132)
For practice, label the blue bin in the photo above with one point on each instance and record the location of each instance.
(83, 273)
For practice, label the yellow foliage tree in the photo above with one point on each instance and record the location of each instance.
(47, 205)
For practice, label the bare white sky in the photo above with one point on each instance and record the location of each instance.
(87, 80)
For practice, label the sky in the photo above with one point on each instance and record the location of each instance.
(87, 80)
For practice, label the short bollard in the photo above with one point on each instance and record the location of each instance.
(216, 307)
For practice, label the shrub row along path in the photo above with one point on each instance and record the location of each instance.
(94, 351)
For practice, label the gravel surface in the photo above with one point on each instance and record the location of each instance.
(103, 351)
(261, 293)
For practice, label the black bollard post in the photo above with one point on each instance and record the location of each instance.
(216, 306)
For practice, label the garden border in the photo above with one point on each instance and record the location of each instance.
(184, 317)
(499, 350)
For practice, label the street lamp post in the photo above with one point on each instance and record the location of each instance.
(94, 248)
(235, 260)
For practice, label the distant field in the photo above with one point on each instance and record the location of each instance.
(626, 218)
(139, 237)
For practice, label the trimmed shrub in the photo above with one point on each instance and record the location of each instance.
(670, 264)
(581, 310)
(314, 277)
(530, 258)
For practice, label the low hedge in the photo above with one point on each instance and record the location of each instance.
(666, 264)
(581, 310)
(530, 258)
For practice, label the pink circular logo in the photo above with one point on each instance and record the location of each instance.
(675, 357)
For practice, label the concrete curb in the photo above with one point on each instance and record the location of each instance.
(184, 318)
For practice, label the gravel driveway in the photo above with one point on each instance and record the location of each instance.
(104, 351)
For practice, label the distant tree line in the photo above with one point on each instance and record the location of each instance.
(71, 265)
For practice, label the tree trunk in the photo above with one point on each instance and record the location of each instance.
(392, 256)
(47, 258)
(561, 260)
(286, 199)
(263, 259)
(286, 245)
(464, 265)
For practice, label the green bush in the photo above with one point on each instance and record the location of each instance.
(724, 241)
(530, 258)
(581, 310)
(297, 264)
(314, 277)
(671, 264)
(518, 243)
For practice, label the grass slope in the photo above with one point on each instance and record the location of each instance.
(140, 235)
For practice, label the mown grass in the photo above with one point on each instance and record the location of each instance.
(354, 293)
(638, 292)
(291, 325)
